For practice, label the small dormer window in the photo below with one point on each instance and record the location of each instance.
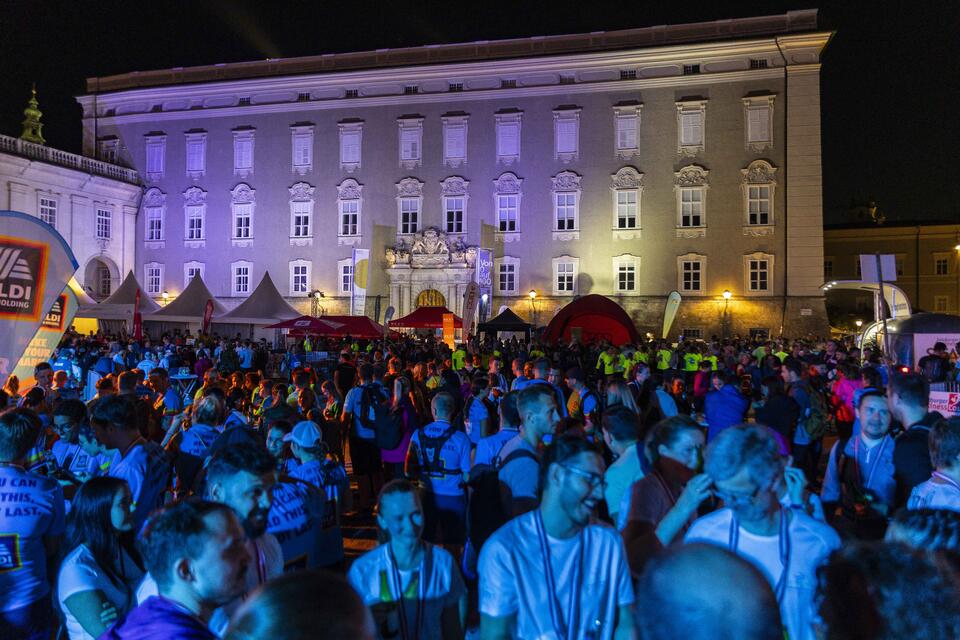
(758, 63)
(628, 74)
(411, 90)
(691, 69)
(508, 84)
(244, 102)
(351, 93)
(454, 87)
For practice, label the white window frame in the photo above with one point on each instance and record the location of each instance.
(625, 263)
(626, 181)
(196, 144)
(409, 190)
(508, 124)
(243, 202)
(454, 127)
(507, 261)
(507, 185)
(243, 151)
(747, 259)
(351, 137)
(564, 260)
(692, 113)
(235, 290)
(625, 118)
(454, 188)
(346, 263)
(200, 267)
(48, 204)
(566, 184)
(349, 193)
(689, 179)
(301, 204)
(154, 210)
(155, 148)
(759, 174)
(148, 282)
(301, 149)
(410, 142)
(104, 223)
(566, 149)
(692, 258)
(307, 277)
(756, 137)
(194, 206)
(945, 259)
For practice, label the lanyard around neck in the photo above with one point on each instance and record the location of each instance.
(564, 629)
(874, 464)
(421, 594)
(783, 543)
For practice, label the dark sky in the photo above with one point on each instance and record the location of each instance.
(891, 76)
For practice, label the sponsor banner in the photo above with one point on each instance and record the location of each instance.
(35, 266)
(207, 314)
(47, 337)
(485, 269)
(137, 318)
(448, 330)
(923, 343)
(470, 299)
(361, 268)
(670, 312)
(946, 403)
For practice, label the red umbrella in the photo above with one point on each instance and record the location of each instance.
(308, 324)
(426, 318)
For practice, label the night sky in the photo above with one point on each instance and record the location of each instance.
(891, 75)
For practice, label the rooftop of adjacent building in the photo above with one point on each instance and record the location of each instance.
(791, 22)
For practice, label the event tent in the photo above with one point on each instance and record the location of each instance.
(115, 314)
(425, 318)
(507, 320)
(264, 306)
(189, 306)
(354, 326)
(592, 316)
(307, 325)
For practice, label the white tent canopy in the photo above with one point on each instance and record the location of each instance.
(264, 306)
(119, 306)
(188, 306)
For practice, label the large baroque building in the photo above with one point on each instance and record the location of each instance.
(626, 163)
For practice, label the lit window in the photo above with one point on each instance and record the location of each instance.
(566, 134)
(691, 207)
(301, 211)
(507, 197)
(507, 213)
(349, 217)
(191, 270)
(241, 207)
(299, 277)
(941, 266)
(691, 116)
(409, 215)
(454, 140)
(625, 274)
(691, 186)
(194, 213)
(453, 213)
(565, 275)
(626, 122)
(758, 205)
(241, 278)
(411, 142)
(627, 209)
(48, 211)
(507, 278)
(153, 280)
(195, 222)
(156, 144)
(345, 273)
(758, 271)
(757, 184)
(691, 271)
(758, 122)
(566, 204)
(104, 223)
(154, 224)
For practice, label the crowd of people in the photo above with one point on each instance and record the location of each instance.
(729, 488)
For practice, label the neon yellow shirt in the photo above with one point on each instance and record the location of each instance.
(691, 361)
(609, 363)
(663, 359)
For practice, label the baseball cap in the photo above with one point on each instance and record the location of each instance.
(305, 434)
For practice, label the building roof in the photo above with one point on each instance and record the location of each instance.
(790, 22)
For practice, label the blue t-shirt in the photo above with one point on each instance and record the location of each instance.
(147, 472)
(352, 404)
(488, 448)
(198, 439)
(454, 457)
(478, 413)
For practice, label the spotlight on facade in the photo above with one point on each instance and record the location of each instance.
(859, 323)
(532, 294)
(726, 294)
(165, 295)
(957, 247)
(318, 294)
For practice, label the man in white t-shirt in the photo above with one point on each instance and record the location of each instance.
(942, 490)
(786, 545)
(31, 525)
(439, 455)
(142, 464)
(424, 579)
(489, 448)
(550, 573)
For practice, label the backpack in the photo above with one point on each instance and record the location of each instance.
(431, 448)
(370, 398)
(485, 509)
(817, 421)
(387, 426)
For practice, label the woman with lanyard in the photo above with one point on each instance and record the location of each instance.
(413, 589)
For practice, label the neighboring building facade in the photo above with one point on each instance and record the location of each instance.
(927, 260)
(93, 204)
(626, 163)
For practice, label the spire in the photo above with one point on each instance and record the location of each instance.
(31, 121)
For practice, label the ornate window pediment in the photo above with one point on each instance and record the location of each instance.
(409, 188)
(454, 186)
(194, 196)
(349, 189)
(154, 198)
(301, 192)
(243, 194)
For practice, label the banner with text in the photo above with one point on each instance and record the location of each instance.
(670, 312)
(35, 266)
(45, 340)
(470, 299)
(448, 330)
(361, 267)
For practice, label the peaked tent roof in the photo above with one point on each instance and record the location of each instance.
(126, 293)
(425, 318)
(264, 306)
(189, 305)
(507, 320)
(597, 317)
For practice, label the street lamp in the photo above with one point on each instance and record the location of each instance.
(533, 309)
(726, 294)
(725, 320)
(483, 307)
(859, 323)
(166, 297)
(315, 298)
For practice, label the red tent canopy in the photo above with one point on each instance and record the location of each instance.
(353, 326)
(597, 317)
(307, 324)
(425, 318)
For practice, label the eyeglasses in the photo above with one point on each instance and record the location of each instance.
(731, 499)
(593, 479)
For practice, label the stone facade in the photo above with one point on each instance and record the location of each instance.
(608, 166)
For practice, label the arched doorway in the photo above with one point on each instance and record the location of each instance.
(100, 279)
(431, 298)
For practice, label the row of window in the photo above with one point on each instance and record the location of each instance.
(691, 275)
(941, 265)
(691, 136)
(691, 186)
(48, 208)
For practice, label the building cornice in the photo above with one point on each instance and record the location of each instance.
(53, 174)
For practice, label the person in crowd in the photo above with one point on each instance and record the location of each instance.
(621, 431)
(778, 410)
(907, 395)
(858, 486)
(659, 508)
(99, 574)
(618, 393)
(541, 369)
(806, 449)
(935, 366)
(479, 412)
(168, 404)
(519, 473)
(73, 463)
(678, 391)
(520, 375)
(926, 529)
(206, 427)
(664, 386)
(142, 464)
(942, 490)
(509, 419)
(402, 405)
(702, 384)
(413, 588)
(364, 454)
(331, 426)
(583, 403)
(549, 572)
(439, 456)
(32, 523)
(889, 591)
(686, 593)
(12, 387)
(725, 407)
(276, 611)
(787, 545)
(845, 386)
(197, 555)
(280, 448)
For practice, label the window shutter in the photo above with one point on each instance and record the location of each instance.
(154, 158)
(244, 158)
(758, 122)
(301, 152)
(627, 132)
(410, 144)
(567, 136)
(195, 155)
(350, 147)
(692, 133)
(455, 142)
(508, 140)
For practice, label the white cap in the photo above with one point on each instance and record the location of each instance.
(305, 434)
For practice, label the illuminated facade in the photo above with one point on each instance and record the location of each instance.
(627, 163)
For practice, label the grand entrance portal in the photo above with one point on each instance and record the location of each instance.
(431, 270)
(431, 298)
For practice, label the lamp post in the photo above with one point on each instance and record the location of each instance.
(166, 297)
(533, 308)
(726, 312)
(315, 309)
(483, 307)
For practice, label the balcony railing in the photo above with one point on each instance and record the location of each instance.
(25, 149)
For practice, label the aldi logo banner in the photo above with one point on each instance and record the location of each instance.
(35, 266)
